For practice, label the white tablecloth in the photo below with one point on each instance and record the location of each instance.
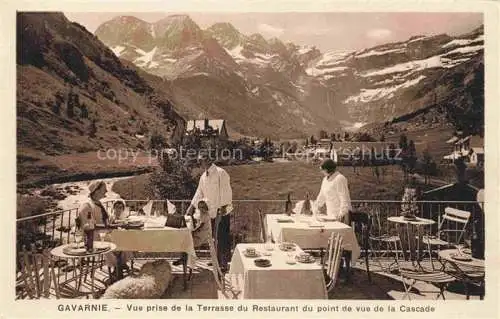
(281, 280)
(301, 233)
(165, 239)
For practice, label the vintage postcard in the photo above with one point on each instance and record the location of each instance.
(222, 159)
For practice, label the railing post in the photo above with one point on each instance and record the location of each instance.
(69, 225)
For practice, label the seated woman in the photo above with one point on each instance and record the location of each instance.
(202, 231)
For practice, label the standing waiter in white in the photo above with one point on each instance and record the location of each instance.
(214, 185)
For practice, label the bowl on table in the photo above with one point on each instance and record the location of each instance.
(262, 262)
(326, 218)
(286, 246)
(305, 258)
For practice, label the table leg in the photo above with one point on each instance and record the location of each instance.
(78, 271)
(411, 242)
(403, 237)
(92, 276)
(119, 266)
(420, 238)
(184, 269)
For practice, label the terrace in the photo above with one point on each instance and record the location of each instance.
(54, 229)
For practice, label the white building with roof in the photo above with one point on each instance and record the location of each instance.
(207, 128)
(471, 148)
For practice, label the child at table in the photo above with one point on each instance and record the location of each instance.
(118, 212)
(202, 231)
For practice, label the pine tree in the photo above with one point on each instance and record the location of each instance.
(56, 107)
(84, 112)
(93, 128)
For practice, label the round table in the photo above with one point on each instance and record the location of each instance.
(59, 253)
(417, 222)
(471, 272)
(447, 255)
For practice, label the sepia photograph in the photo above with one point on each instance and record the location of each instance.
(250, 155)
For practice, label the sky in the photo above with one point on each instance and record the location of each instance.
(325, 30)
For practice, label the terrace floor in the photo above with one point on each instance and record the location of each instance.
(384, 286)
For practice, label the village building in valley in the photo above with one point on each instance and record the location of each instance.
(470, 148)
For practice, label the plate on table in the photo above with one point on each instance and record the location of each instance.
(411, 218)
(287, 246)
(77, 245)
(134, 225)
(100, 245)
(117, 223)
(316, 225)
(305, 258)
(327, 219)
(467, 251)
(80, 251)
(461, 257)
(262, 262)
(285, 219)
(251, 253)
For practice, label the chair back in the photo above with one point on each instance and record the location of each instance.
(37, 273)
(334, 258)
(218, 275)
(456, 215)
(376, 223)
(361, 222)
(453, 217)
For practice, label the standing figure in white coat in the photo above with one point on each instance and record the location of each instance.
(334, 192)
(215, 187)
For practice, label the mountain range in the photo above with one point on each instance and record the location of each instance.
(219, 72)
(79, 92)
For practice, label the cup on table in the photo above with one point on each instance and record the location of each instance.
(250, 251)
(290, 258)
(102, 235)
(269, 243)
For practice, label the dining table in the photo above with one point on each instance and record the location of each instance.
(284, 277)
(154, 237)
(311, 232)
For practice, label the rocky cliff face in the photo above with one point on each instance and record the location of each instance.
(383, 82)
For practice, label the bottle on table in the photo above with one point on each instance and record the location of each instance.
(288, 206)
(88, 230)
(477, 249)
(306, 207)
